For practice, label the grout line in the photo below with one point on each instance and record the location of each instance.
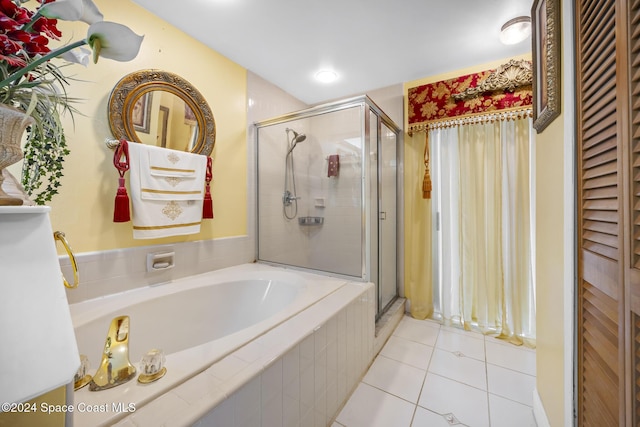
(486, 372)
(510, 369)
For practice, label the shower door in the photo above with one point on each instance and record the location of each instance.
(387, 223)
(341, 219)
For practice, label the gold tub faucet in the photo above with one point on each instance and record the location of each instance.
(115, 367)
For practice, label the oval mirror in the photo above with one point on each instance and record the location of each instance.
(161, 108)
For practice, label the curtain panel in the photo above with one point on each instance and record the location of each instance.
(502, 300)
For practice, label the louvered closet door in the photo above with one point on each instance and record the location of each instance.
(632, 277)
(600, 209)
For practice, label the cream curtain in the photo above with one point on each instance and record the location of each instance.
(484, 257)
(418, 276)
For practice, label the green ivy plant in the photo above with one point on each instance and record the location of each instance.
(44, 155)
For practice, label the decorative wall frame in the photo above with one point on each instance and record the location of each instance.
(545, 18)
(141, 114)
(138, 84)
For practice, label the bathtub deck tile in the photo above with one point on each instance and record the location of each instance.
(201, 385)
(251, 352)
(227, 367)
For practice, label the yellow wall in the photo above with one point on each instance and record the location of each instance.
(550, 272)
(84, 207)
(553, 317)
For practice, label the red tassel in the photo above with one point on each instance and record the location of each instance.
(207, 206)
(121, 208)
(121, 162)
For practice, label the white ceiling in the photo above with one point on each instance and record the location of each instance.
(370, 43)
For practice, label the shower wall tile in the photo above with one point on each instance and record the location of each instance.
(334, 246)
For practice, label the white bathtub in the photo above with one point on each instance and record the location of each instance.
(236, 321)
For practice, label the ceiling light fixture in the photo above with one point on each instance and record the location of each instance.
(515, 30)
(326, 76)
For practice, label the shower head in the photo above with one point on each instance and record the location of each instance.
(297, 137)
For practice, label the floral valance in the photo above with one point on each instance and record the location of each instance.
(499, 94)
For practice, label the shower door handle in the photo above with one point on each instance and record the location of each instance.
(383, 216)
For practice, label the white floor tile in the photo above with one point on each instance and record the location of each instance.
(396, 378)
(426, 418)
(444, 396)
(511, 384)
(467, 376)
(469, 344)
(418, 330)
(370, 407)
(459, 368)
(409, 352)
(507, 355)
(507, 413)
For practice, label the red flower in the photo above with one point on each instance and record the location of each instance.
(37, 45)
(8, 24)
(8, 46)
(18, 14)
(17, 45)
(47, 27)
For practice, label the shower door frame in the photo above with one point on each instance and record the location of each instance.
(366, 105)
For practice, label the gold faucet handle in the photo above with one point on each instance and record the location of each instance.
(59, 235)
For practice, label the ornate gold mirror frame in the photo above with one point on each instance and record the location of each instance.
(132, 87)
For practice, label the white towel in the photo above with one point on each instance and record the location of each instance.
(171, 175)
(167, 191)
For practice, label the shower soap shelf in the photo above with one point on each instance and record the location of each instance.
(310, 220)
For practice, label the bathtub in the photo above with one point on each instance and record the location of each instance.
(222, 332)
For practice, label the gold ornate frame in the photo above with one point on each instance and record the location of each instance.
(507, 77)
(132, 86)
(545, 17)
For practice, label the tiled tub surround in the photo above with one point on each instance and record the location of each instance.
(298, 365)
(119, 270)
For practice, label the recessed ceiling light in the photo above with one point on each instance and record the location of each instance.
(326, 76)
(515, 30)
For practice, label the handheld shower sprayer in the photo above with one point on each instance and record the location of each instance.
(297, 137)
(290, 197)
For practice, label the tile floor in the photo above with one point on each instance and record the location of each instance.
(429, 375)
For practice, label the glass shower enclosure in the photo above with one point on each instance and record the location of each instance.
(327, 199)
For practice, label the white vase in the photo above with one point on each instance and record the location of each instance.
(13, 123)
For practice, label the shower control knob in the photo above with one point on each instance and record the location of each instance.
(288, 198)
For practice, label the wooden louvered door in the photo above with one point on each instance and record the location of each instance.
(608, 131)
(632, 273)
